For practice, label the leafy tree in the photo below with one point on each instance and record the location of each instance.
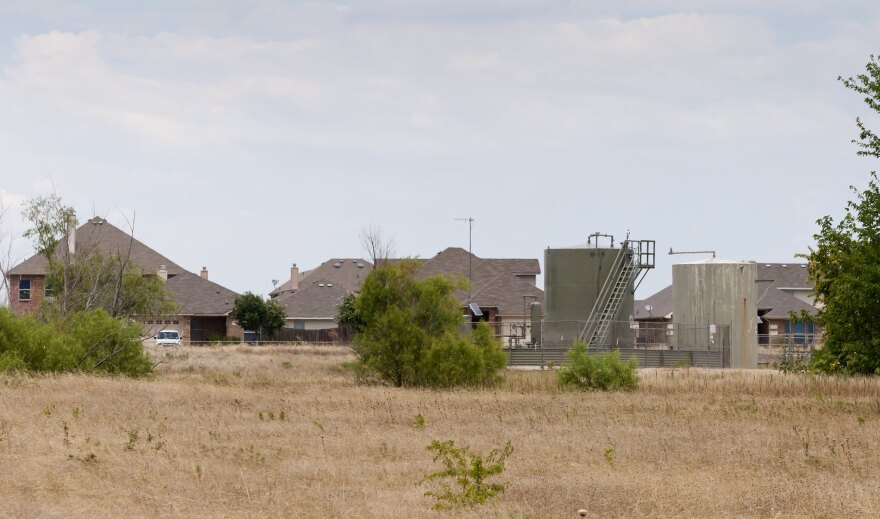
(347, 313)
(254, 313)
(845, 263)
(411, 332)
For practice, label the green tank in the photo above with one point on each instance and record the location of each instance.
(573, 278)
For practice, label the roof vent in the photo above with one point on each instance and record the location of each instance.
(803, 266)
(320, 284)
(329, 284)
(785, 266)
(360, 265)
(337, 265)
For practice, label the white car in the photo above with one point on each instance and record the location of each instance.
(168, 338)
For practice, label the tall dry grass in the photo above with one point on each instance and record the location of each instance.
(242, 432)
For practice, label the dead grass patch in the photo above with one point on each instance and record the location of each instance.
(279, 431)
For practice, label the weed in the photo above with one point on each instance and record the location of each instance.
(609, 455)
(419, 422)
(48, 410)
(286, 365)
(469, 472)
(76, 412)
(133, 437)
(261, 416)
(66, 433)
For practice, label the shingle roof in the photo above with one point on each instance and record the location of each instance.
(196, 296)
(495, 283)
(510, 294)
(785, 275)
(660, 303)
(98, 234)
(348, 272)
(317, 300)
(779, 304)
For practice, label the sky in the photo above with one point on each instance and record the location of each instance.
(246, 136)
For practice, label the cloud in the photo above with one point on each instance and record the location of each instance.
(443, 88)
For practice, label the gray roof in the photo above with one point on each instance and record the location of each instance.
(199, 296)
(317, 300)
(195, 295)
(661, 305)
(496, 283)
(785, 275)
(347, 272)
(99, 235)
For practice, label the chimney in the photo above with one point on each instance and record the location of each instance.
(205, 273)
(163, 273)
(294, 277)
(71, 235)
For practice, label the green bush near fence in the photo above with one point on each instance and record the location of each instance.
(90, 341)
(603, 372)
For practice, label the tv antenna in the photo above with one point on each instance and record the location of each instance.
(470, 221)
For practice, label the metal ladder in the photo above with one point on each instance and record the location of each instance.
(633, 258)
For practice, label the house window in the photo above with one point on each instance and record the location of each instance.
(299, 325)
(24, 290)
(49, 290)
(175, 321)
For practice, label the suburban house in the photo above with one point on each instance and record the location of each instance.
(310, 298)
(783, 289)
(502, 290)
(204, 306)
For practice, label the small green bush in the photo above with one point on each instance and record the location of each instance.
(469, 471)
(605, 372)
(91, 341)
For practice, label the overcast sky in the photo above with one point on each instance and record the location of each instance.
(245, 136)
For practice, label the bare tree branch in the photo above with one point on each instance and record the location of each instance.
(376, 245)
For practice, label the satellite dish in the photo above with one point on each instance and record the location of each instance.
(649, 307)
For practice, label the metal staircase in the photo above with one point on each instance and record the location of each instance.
(629, 268)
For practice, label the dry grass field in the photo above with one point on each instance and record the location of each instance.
(285, 432)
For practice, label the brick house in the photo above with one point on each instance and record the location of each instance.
(204, 306)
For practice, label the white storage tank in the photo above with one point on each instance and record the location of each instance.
(722, 293)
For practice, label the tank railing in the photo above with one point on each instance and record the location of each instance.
(598, 315)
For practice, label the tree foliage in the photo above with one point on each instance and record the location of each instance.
(254, 313)
(845, 262)
(412, 332)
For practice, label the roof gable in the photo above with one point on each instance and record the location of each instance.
(99, 235)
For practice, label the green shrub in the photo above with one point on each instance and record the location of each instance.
(91, 341)
(605, 372)
(469, 471)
